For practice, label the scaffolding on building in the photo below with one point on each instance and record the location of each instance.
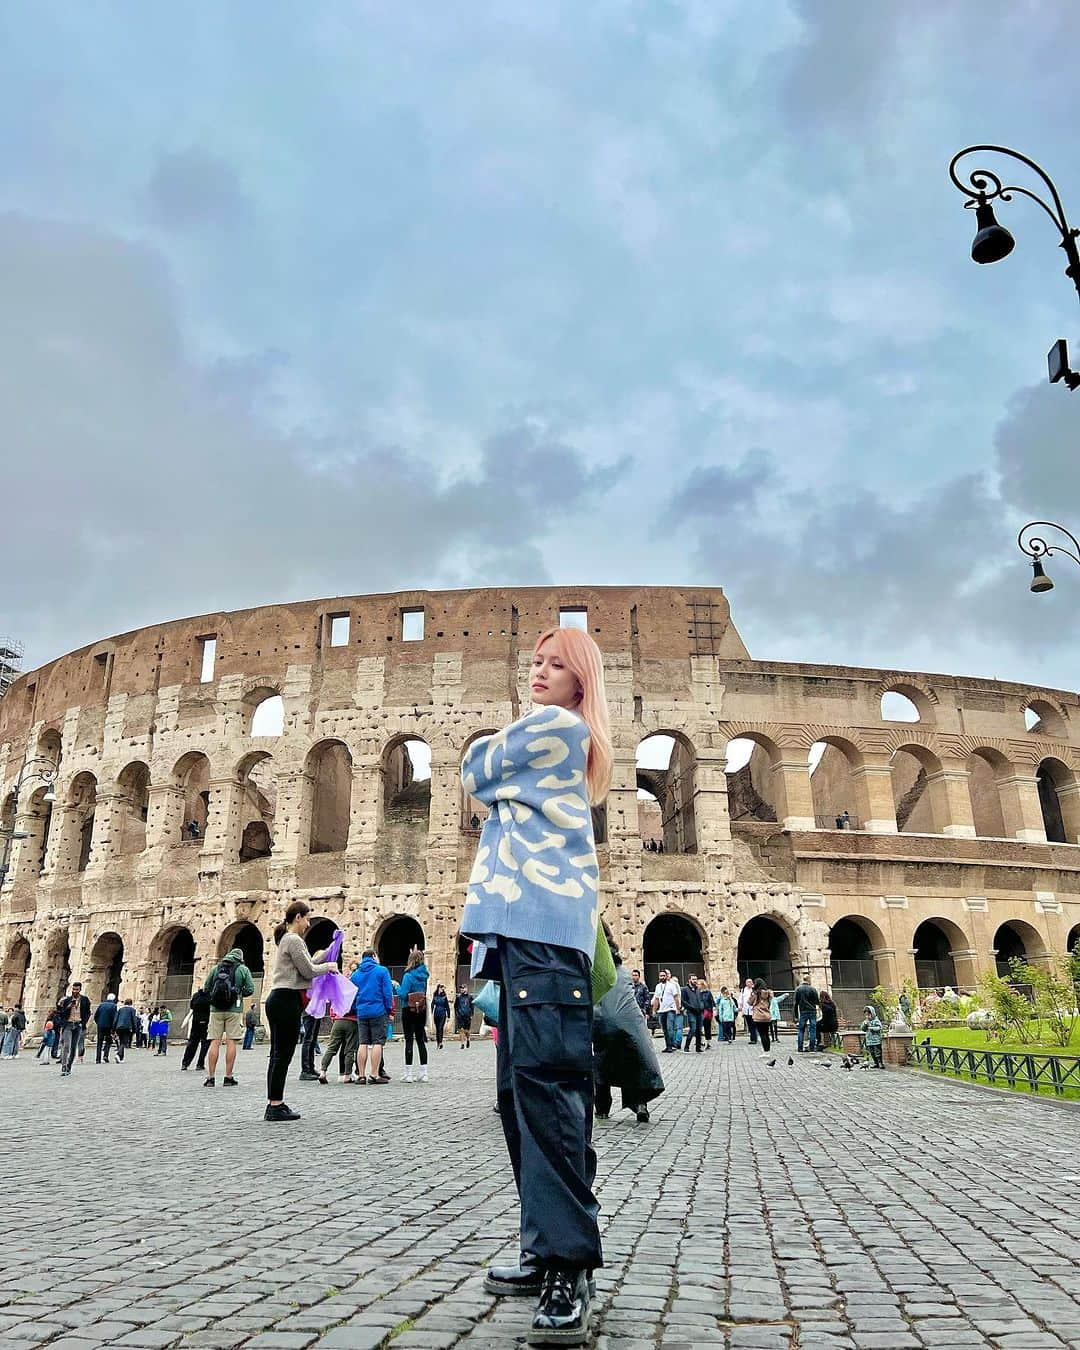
(11, 654)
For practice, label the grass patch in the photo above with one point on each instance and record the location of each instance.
(402, 1328)
(963, 1038)
(967, 1038)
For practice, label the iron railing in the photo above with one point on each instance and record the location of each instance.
(1011, 1068)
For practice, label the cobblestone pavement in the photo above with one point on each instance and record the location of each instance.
(763, 1209)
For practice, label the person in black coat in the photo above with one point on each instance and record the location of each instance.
(197, 1038)
(623, 1056)
(440, 1011)
(127, 1023)
(72, 1015)
(828, 1022)
(105, 1021)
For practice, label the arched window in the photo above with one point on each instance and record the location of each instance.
(174, 948)
(258, 806)
(984, 767)
(267, 714)
(1043, 719)
(192, 775)
(84, 800)
(406, 782)
(1017, 941)
(1059, 799)
(912, 767)
(897, 707)
(666, 773)
(133, 786)
(751, 792)
(329, 773)
(837, 797)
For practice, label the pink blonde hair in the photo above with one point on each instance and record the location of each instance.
(581, 657)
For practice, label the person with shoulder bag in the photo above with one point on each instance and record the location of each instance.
(531, 914)
(761, 1013)
(413, 994)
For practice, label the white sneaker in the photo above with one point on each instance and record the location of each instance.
(765, 1054)
(422, 1078)
(406, 1077)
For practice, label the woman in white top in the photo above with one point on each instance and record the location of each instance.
(294, 970)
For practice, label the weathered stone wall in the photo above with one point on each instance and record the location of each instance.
(132, 710)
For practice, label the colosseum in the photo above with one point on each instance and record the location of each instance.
(167, 792)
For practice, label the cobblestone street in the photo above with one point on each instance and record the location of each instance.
(762, 1209)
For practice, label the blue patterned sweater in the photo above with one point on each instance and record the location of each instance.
(535, 875)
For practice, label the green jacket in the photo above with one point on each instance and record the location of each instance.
(245, 985)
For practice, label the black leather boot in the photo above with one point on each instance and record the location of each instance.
(562, 1314)
(514, 1281)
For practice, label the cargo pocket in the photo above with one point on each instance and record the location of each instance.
(550, 1017)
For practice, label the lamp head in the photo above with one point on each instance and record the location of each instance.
(1041, 581)
(49, 797)
(992, 242)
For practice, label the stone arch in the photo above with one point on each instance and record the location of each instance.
(914, 768)
(106, 967)
(173, 954)
(462, 962)
(942, 954)
(78, 839)
(404, 809)
(320, 934)
(394, 939)
(37, 821)
(473, 811)
(192, 776)
(50, 746)
(839, 796)
(667, 791)
(258, 805)
(1017, 940)
(919, 696)
(1073, 939)
(755, 784)
(405, 781)
(132, 808)
(768, 948)
(675, 942)
(7, 813)
(328, 775)
(1059, 798)
(56, 975)
(1045, 717)
(264, 711)
(14, 972)
(854, 945)
(986, 767)
(245, 935)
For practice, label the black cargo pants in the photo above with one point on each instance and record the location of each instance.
(545, 1088)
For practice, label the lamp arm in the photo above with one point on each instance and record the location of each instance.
(1035, 546)
(986, 185)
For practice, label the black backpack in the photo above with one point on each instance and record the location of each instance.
(224, 991)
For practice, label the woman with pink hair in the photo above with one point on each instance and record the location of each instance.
(531, 912)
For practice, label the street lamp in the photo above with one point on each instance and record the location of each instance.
(993, 241)
(1036, 548)
(39, 767)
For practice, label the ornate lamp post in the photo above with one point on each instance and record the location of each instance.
(993, 242)
(39, 767)
(1036, 548)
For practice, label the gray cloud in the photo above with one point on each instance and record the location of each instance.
(195, 187)
(141, 493)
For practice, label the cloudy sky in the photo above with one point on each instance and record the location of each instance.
(309, 300)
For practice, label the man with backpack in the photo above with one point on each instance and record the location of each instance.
(228, 984)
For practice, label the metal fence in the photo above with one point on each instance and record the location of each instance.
(1039, 1073)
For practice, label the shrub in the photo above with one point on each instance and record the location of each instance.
(1053, 994)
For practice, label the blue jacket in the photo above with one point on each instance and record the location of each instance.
(105, 1015)
(413, 982)
(374, 992)
(535, 875)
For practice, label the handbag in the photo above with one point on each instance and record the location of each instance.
(603, 966)
(487, 1000)
(417, 1003)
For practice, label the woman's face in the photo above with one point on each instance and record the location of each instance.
(551, 684)
(301, 924)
